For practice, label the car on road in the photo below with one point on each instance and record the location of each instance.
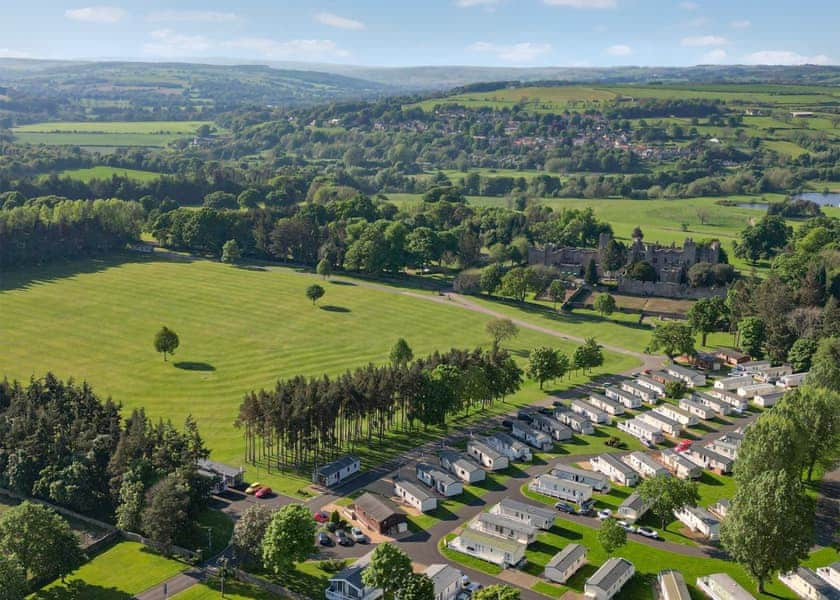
(343, 538)
(683, 446)
(252, 489)
(358, 536)
(565, 507)
(604, 513)
(507, 423)
(524, 415)
(647, 443)
(627, 527)
(321, 516)
(264, 492)
(648, 533)
(324, 539)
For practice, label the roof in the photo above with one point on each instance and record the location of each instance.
(637, 422)
(685, 371)
(413, 489)
(436, 473)
(616, 464)
(548, 420)
(336, 466)
(609, 573)
(504, 544)
(673, 585)
(353, 573)
(725, 582)
(677, 458)
(704, 397)
(815, 581)
(572, 485)
(651, 382)
(702, 514)
(647, 460)
(456, 458)
(484, 449)
(710, 454)
(566, 557)
(634, 502)
(579, 472)
(526, 508)
(731, 353)
(442, 576)
(375, 507)
(507, 440)
(659, 418)
(637, 387)
(218, 468)
(503, 521)
(603, 399)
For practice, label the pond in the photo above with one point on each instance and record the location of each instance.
(830, 199)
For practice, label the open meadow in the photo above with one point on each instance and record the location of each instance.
(103, 172)
(106, 133)
(239, 328)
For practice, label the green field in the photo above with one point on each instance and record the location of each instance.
(234, 590)
(240, 329)
(106, 134)
(120, 572)
(102, 172)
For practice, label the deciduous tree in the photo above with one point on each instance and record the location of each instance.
(611, 535)
(545, 364)
(497, 591)
(666, 494)
(324, 268)
(13, 578)
(231, 252)
(401, 353)
(249, 530)
(673, 339)
(501, 330)
(605, 304)
(825, 365)
(166, 341)
(388, 570)
(707, 315)
(289, 538)
(315, 292)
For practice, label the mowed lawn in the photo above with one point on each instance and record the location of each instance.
(240, 329)
(117, 574)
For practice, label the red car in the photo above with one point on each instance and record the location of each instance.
(683, 446)
(321, 517)
(263, 492)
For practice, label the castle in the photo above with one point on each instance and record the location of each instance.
(670, 262)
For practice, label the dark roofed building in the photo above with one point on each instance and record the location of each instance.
(379, 515)
(223, 476)
(337, 471)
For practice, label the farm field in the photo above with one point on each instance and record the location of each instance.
(240, 329)
(102, 172)
(106, 134)
(120, 572)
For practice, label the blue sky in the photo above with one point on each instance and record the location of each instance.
(429, 32)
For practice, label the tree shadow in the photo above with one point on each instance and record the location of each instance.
(188, 365)
(335, 309)
(341, 282)
(252, 268)
(80, 590)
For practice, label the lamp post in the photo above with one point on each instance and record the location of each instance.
(223, 563)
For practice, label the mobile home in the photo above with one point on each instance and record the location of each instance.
(441, 481)
(626, 399)
(688, 376)
(486, 456)
(616, 470)
(608, 580)
(633, 507)
(648, 396)
(668, 426)
(510, 447)
(531, 436)
(562, 489)
(490, 548)
(584, 408)
(682, 467)
(641, 430)
(697, 409)
(552, 427)
(414, 495)
(541, 517)
(565, 563)
(461, 466)
(644, 464)
(683, 417)
(599, 482)
(503, 526)
(608, 405)
(699, 520)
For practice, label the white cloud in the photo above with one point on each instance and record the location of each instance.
(704, 40)
(472, 3)
(689, 5)
(740, 24)
(522, 52)
(9, 53)
(290, 49)
(195, 16)
(785, 57)
(172, 44)
(586, 4)
(96, 14)
(334, 20)
(619, 50)
(714, 56)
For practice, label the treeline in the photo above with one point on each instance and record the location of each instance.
(302, 421)
(60, 442)
(43, 231)
(647, 108)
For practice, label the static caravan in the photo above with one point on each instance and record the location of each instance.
(642, 430)
(347, 584)
(552, 427)
(562, 489)
(576, 422)
(666, 425)
(682, 467)
(671, 585)
(697, 409)
(510, 447)
(626, 399)
(683, 417)
(446, 581)
(663, 377)
(531, 436)
(599, 482)
(607, 581)
(616, 470)
(337, 471)
(728, 444)
(736, 403)
(699, 520)
(831, 574)
(441, 481)
(773, 373)
(721, 586)
(688, 376)
(490, 548)
(584, 408)
(565, 563)
(709, 459)
(461, 466)
(540, 517)
(716, 404)
(806, 584)
(608, 405)
(633, 507)
(651, 384)
(753, 367)
(647, 395)
(752, 390)
(414, 495)
(644, 465)
(720, 508)
(502, 526)
(791, 381)
(486, 456)
(768, 400)
(731, 356)
(728, 384)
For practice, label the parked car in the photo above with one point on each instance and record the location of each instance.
(604, 513)
(627, 527)
(263, 492)
(647, 443)
(565, 507)
(358, 536)
(343, 538)
(545, 411)
(321, 516)
(252, 489)
(524, 415)
(648, 533)
(507, 423)
(324, 539)
(683, 446)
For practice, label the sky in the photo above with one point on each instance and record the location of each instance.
(395, 33)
